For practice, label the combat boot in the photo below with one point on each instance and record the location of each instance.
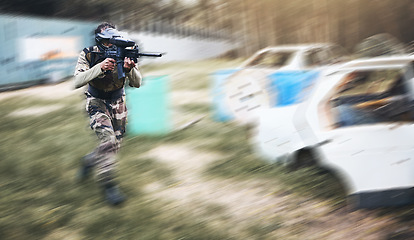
(113, 194)
(87, 163)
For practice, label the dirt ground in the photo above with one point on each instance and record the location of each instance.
(248, 202)
(244, 203)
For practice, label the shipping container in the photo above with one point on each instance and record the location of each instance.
(37, 50)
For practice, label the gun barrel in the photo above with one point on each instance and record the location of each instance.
(150, 54)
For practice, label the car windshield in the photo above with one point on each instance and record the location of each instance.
(369, 82)
(271, 59)
(371, 96)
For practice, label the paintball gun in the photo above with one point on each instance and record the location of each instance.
(119, 51)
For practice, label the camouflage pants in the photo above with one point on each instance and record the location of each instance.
(108, 120)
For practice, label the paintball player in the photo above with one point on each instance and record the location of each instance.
(106, 107)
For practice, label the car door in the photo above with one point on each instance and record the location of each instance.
(373, 154)
(247, 91)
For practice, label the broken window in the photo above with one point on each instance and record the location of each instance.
(271, 59)
(317, 57)
(336, 54)
(371, 96)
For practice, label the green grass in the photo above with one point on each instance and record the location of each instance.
(40, 199)
(191, 75)
(40, 195)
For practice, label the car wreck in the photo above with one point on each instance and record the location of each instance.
(357, 120)
(276, 76)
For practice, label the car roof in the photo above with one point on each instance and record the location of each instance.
(396, 61)
(294, 47)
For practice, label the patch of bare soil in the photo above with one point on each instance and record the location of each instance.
(48, 92)
(35, 111)
(261, 205)
(183, 97)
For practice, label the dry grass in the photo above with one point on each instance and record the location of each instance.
(200, 183)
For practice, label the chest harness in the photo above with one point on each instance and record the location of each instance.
(109, 87)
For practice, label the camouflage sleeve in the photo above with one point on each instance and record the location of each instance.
(134, 77)
(83, 73)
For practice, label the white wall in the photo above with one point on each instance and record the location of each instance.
(180, 48)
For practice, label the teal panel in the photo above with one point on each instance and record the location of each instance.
(148, 112)
(13, 29)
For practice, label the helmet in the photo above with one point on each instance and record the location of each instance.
(107, 34)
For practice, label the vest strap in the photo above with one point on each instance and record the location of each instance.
(111, 95)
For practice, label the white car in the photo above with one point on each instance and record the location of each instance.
(276, 76)
(358, 121)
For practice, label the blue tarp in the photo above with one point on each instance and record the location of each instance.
(221, 113)
(290, 87)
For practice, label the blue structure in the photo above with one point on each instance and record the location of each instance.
(291, 86)
(35, 50)
(220, 111)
